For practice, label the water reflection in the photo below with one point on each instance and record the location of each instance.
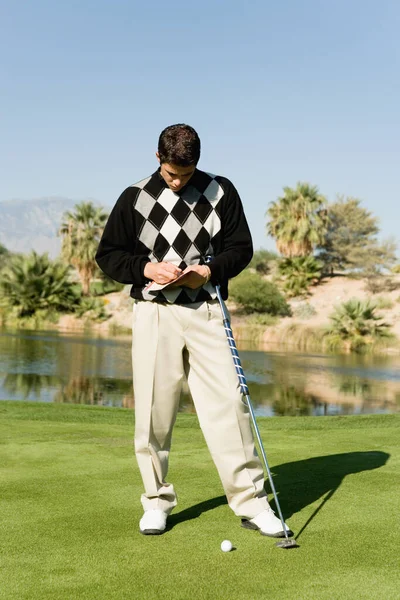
(85, 390)
(301, 384)
(77, 390)
(53, 367)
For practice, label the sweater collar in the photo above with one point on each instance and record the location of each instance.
(161, 181)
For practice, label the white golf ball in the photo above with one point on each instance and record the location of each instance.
(226, 546)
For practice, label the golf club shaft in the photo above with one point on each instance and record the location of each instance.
(245, 391)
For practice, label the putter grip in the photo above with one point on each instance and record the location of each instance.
(236, 359)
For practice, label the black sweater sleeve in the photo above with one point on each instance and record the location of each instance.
(237, 246)
(115, 254)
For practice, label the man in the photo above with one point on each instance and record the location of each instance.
(156, 238)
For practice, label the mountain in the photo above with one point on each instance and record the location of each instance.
(27, 225)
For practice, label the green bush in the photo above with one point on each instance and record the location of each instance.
(105, 286)
(254, 294)
(36, 285)
(304, 311)
(261, 261)
(299, 274)
(262, 319)
(355, 325)
(383, 302)
(91, 308)
(4, 255)
(35, 289)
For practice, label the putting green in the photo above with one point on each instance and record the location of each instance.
(69, 493)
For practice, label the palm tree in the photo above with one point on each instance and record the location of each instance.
(81, 231)
(298, 220)
(35, 284)
(354, 324)
(299, 274)
(4, 254)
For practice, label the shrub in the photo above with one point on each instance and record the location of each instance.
(254, 327)
(254, 294)
(299, 274)
(105, 286)
(35, 289)
(35, 285)
(354, 325)
(261, 261)
(262, 319)
(4, 255)
(376, 284)
(304, 311)
(301, 337)
(383, 303)
(91, 308)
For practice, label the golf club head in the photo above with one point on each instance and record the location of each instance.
(286, 543)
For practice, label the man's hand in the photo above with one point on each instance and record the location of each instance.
(162, 272)
(194, 277)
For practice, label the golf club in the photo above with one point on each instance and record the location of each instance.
(285, 543)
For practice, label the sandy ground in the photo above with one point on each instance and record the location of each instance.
(322, 298)
(337, 290)
(118, 306)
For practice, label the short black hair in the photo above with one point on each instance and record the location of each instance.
(179, 145)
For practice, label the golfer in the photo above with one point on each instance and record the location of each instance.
(156, 238)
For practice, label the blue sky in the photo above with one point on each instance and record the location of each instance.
(278, 91)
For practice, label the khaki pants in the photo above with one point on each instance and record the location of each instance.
(169, 342)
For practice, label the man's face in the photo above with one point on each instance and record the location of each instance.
(176, 177)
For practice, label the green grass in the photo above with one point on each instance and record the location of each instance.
(69, 492)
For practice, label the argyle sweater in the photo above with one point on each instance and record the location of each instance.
(150, 222)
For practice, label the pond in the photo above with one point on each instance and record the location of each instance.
(90, 369)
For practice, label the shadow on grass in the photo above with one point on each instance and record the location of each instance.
(303, 482)
(300, 483)
(195, 511)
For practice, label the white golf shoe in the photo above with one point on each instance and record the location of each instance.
(153, 522)
(267, 524)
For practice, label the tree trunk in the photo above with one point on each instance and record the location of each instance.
(86, 285)
(85, 277)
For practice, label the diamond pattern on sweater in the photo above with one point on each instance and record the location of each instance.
(178, 228)
(161, 247)
(158, 215)
(182, 243)
(214, 192)
(144, 204)
(202, 209)
(192, 226)
(171, 229)
(202, 239)
(191, 195)
(168, 199)
(148, 234)
(181, 211)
